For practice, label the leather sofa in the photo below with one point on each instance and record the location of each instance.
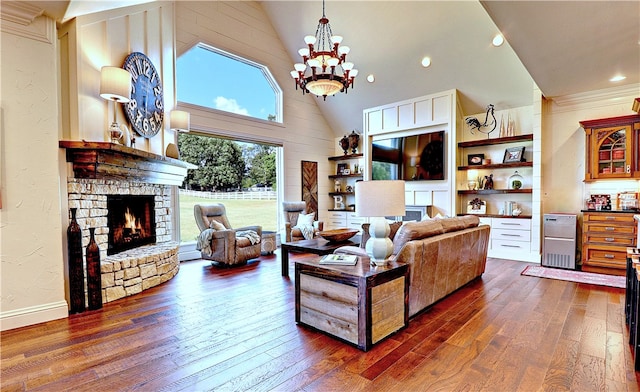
(443, 254)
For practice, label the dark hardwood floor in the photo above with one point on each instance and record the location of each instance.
(234, 330)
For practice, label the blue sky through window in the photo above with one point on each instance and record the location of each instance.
(210, 79)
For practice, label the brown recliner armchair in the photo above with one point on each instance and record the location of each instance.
(226, 246)
(291, 211)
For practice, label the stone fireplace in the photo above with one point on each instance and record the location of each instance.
(125, 194)
(135, 264)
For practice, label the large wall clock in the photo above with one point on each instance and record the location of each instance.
(145, 111)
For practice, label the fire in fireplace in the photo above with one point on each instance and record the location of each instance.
(131, 221)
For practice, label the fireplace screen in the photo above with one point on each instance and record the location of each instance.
(131, 221)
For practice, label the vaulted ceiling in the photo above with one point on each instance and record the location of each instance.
(565, 47)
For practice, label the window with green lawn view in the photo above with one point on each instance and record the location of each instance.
(240, 175)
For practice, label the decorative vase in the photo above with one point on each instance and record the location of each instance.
(94, 277)
(354, 140)
(344, 144)
(76, 270)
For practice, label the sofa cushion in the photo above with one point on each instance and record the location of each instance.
(415, 231)
(365, 232)
(459, 223)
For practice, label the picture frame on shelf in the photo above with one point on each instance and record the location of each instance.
(513, 154)
(341, 167)
(475, 159)
(476, 206)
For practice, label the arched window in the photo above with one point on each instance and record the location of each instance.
(216, 79)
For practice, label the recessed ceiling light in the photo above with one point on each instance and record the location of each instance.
(498, 40)
(617, 78)
(426, 61)
(371, 78)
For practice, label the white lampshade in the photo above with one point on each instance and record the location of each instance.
(378, 199)
(115, 84)
(180, 121)
(323, 87)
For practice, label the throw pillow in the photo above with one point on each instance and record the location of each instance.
(305, 220)
(215, 225)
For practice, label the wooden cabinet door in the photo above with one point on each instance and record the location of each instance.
(611, 152)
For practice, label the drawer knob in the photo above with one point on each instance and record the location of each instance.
(610, 218)
(610, 228)
(609, 256)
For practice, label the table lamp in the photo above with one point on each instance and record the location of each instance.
(115, 85)
(180, 121)
(377, 200)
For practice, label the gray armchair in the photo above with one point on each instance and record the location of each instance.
(291, 211)
(226, 247)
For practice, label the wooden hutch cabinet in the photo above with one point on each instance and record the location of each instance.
(612, 148)
(612, 152)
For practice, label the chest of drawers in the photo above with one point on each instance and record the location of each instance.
(605, 238)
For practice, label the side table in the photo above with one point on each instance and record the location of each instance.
(359, 304)
(268, 242)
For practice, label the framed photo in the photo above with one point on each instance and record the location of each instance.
(474, 159)
(341, 168)
(513, 154)
(476, 206)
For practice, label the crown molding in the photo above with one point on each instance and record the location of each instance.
(26, 20)
(610, 95)
(20, 12)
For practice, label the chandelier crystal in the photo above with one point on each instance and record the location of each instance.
(324, 69)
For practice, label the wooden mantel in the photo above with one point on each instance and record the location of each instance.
(110, 161)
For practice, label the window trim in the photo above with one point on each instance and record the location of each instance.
(266, 73)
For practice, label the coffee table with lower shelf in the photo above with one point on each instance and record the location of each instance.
(359, 304)
(318, 246)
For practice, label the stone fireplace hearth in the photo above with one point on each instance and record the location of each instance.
(104, 172)
(130, 271)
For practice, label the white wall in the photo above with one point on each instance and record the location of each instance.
(563, 144)
(31, 254)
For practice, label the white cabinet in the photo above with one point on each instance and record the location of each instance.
(510, 238)
(344, 219)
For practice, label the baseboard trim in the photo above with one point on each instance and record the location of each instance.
(33, 315)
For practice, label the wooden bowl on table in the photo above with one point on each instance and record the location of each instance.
(338, 235)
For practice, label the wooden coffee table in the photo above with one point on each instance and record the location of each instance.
(318, 246)
(359, 304)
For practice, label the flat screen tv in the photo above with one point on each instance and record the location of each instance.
(415, 157)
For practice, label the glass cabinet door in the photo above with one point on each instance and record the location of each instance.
(612, 152)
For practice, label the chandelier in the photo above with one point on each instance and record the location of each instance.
(324, 69)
